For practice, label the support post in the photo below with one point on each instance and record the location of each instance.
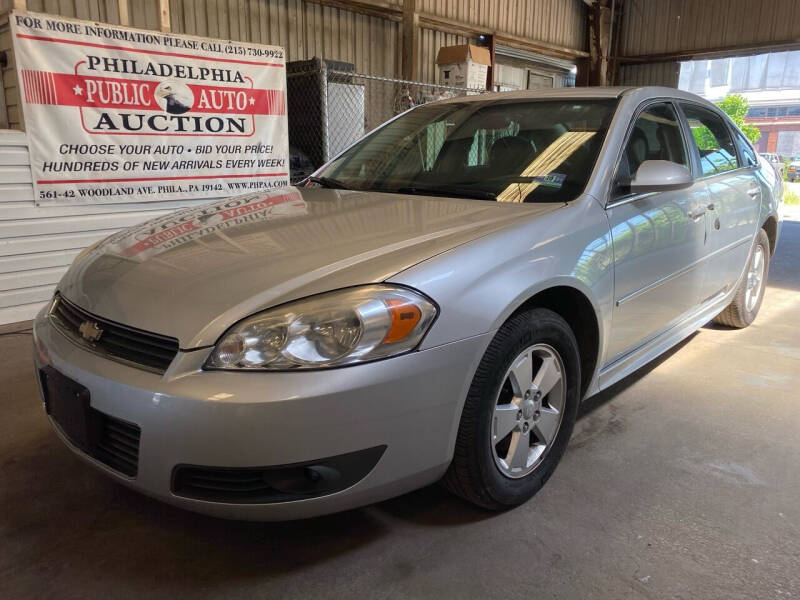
(124, 17)
(163, 16)
(599, 41)
(410, 45)
(490, 76)
(323, 91)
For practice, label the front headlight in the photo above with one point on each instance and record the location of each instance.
(328, 330)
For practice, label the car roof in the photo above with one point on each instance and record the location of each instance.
(554, 93)
(572, 93)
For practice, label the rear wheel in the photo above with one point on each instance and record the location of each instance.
(745, 304)
(519, 412)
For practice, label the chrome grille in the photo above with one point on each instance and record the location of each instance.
(117, 342)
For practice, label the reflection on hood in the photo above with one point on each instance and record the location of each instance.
(170, 231)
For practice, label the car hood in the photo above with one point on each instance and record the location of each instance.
(193, 273)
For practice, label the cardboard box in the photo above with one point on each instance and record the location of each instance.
(464, 66)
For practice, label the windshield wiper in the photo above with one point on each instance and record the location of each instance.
(448, 191)
(328, 182)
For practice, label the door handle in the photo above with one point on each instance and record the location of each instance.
(710, 206)
(753, 192)
(697, 212)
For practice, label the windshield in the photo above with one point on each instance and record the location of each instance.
(504, 150)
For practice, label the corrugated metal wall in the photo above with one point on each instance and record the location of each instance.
(106, 11)
(560, 22)
(662, 73)
(656, 27)
(304, 29)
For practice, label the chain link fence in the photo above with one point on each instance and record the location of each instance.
(331, 106)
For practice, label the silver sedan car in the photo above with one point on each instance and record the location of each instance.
(433, 304)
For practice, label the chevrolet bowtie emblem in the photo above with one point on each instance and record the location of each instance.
(90, 331)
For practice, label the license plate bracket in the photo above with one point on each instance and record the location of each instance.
(67, 402)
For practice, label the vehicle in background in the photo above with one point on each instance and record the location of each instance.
(775, 161)
(793, 171)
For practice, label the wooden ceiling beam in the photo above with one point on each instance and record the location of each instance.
(382, 10)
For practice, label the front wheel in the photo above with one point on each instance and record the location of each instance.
(743, 309)
(519, 412)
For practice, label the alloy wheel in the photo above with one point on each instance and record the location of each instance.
(528, 410)
(755, 278)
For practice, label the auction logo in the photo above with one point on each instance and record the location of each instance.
(174, 97)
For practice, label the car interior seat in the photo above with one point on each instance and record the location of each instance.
(510, 154)
(638, 150)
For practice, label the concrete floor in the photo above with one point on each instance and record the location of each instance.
(681, 482)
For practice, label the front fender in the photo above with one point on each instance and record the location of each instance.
(478, 285)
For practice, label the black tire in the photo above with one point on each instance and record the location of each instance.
(473, 474)
(736, 313)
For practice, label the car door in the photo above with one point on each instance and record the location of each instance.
(657, 237)
(734, 196)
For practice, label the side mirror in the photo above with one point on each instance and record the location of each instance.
(660, 176)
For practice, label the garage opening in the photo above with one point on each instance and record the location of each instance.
(768, 82)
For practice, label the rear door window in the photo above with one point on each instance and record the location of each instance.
(712, 138)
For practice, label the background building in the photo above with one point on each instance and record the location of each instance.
(771, 84)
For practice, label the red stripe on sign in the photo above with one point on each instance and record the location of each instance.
(41, 90)
(229, 176)
(89, 91)
(40, 87)
(40, 38)
(32, 84)
(52, 81)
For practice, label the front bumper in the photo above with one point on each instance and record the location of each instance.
(410, 404)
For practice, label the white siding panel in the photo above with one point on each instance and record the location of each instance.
(28, 227)
(30, 278)
(13, 156)
(31, 299)
(37, 243)
(46, 243)
(23, 312)
(39, 260)
(15, 174)
(26, 210)
(22, 192)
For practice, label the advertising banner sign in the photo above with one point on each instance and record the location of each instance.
(115, 114)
